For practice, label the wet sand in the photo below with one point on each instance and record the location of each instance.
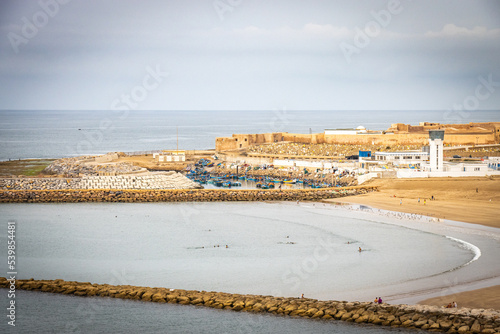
(470, 200)
(481, 298)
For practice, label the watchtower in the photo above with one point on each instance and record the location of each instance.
(436, 138)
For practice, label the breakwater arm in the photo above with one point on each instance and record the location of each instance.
(176, 195)
(431, 318)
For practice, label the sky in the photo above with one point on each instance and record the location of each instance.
(249, 55)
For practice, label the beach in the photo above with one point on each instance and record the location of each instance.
(470, 200)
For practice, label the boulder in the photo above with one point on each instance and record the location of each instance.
(463, 329)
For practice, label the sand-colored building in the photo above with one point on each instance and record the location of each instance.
(397, 134)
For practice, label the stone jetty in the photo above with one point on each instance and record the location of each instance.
(92, 165)
(167, 180)
(430, 318)
(184, 195)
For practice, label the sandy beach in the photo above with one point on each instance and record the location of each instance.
(470, 200)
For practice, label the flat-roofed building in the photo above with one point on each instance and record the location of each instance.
(402, 158)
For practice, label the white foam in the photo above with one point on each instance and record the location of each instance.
(473, 248)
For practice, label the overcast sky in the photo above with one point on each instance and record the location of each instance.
(249, 54)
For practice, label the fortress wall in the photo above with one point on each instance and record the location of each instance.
(411, 138)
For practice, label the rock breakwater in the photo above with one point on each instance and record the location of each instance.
(430, 318)
(91, 165)
(184, 195)
(167, 180)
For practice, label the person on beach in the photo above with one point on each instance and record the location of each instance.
(400, 202)
(424, 201)
(419, 200)
(376, 300)
(380, 300)
(360, 250)
(302, 296)
(455, 304)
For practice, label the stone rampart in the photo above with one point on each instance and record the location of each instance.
(174, 195)
(430, 318)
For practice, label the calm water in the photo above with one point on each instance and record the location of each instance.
(70, 314)
(281, 249)
(53, 134)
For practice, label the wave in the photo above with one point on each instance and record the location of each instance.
(466, 245)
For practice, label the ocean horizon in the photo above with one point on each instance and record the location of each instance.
(42, 134)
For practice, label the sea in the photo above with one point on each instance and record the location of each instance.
(55, 134)
(268, 248)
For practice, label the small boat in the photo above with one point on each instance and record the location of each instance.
(289, 181)
(270, 185)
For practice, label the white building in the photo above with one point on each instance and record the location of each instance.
(358, 130)
(170, 156)
(436, 138)
(494, 163)
(402, 158)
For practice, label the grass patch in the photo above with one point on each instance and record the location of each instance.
(31, 167)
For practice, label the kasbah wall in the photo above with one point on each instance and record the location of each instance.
(397, 134)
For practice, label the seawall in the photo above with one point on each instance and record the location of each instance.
(184, 195)
(431, 318)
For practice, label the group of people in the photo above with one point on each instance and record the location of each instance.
(452, 305)
(378, 300)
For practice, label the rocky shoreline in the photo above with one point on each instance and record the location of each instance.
(430, 318)
(176, 195)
